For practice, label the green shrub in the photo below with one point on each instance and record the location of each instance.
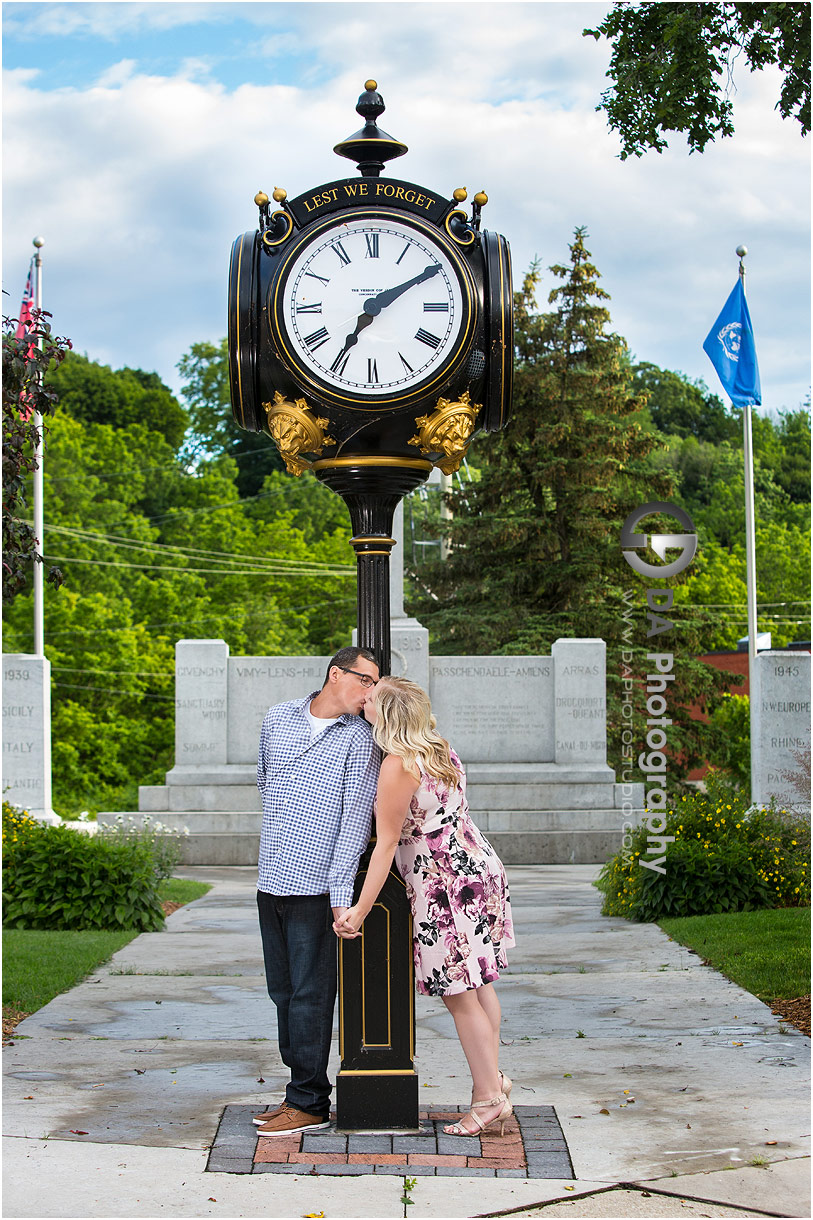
(724, 857)
(55, 878)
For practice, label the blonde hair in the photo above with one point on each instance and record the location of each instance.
(405, 726)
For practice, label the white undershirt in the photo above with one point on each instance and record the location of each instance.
(318, 723)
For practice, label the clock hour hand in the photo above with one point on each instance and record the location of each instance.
(374, 305)
(363, 320)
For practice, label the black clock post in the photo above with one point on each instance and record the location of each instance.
(370, 335)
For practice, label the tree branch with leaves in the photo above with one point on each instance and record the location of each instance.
(27, 357)
(673, 67)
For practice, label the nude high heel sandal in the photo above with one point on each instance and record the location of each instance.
(506, 1112)
(506, 1084)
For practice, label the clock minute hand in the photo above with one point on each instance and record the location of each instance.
(374, 305)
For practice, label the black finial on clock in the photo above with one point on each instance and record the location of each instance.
(370, 147)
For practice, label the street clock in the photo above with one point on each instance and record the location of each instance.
(370, 318)
(370, 335)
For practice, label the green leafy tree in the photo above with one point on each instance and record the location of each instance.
(711, 486)
(673, 65)
(154, 551)
(733, 719)
(680, 407)
(717, 580)
(205, 371)
(26, 361)
(95, 393)
(784, 447)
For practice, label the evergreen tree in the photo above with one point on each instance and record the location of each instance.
(680, 407)
(536, 538)
(535, 541)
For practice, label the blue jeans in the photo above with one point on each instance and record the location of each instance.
(300, 955)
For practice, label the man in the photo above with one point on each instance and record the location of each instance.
(317, 772)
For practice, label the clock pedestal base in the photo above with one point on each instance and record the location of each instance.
(377, 1086)
(377, 1101)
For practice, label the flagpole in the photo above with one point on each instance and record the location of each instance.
(750, 549)
(39, 516)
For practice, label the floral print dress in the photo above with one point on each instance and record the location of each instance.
(457, 891)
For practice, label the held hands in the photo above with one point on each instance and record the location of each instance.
(347, 923)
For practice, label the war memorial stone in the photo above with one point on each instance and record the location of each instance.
(531, 732)
(781, 694)
(27, 733)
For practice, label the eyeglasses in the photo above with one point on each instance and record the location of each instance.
(364, 679)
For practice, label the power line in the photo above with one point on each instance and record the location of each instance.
(109, 690)
(132, 673)
(162, 567)
(122, 540)
(235, 454)
(738, 605)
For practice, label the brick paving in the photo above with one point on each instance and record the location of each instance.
(533, 1147)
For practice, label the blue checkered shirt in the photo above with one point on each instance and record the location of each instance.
(317, 802)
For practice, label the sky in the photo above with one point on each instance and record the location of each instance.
(136, 135)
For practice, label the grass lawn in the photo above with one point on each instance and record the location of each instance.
(766, 952)
(182, 890)
(40, 965)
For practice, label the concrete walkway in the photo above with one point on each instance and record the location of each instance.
(114, 1091)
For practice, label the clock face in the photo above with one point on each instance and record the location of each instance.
(372, 308)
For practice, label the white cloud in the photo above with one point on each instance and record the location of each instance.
(139, 182)
(108, 21)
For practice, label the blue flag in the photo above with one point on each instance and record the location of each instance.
(730, 347)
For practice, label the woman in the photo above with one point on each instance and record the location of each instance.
(455, 883)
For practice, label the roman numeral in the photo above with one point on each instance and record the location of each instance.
(314, 276)
(436, 307)
(407, 366)
(339, 363)
(317, 308)
(339, 250)
(316, 340)
(372, 245)
(425, 337)
(403, 252)
(372, 372)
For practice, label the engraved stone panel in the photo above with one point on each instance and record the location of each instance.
(254, 685)
(580, 705)
(780, 726)
(410, 651)
(200, 702)
(494, 709)
(27, 733)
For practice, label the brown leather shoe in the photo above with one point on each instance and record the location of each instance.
(259, 1119)
(290, 1120)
